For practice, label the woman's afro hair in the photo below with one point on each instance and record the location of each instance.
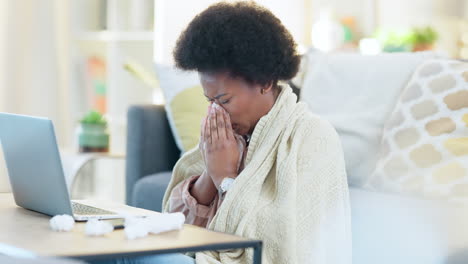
(241, 38)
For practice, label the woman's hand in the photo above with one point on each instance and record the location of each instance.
(218, 145)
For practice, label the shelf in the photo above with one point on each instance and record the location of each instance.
(116, 120)
(116, 36)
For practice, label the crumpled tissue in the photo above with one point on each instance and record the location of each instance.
(62, 223)
(136, 227)
(94, 227)
(135, 231)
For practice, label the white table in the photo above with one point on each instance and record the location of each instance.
(81, 176)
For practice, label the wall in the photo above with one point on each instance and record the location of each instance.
(361, 10)
(171, 19)
(4, 183)
(32, 80)
(442, 15)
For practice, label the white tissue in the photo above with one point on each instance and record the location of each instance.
(62, 223)
(165, 222)
(94, 227)
(141, 227)
(135, 231)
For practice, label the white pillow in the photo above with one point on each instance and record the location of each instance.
(356, 94)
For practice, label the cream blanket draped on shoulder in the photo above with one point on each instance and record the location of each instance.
(292, 193)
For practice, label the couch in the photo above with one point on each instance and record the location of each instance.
(387, 228)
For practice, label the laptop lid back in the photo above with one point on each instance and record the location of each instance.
(33, 163)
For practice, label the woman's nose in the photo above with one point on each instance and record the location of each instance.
(220, 106)
(213, 104)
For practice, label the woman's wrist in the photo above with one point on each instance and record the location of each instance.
(219, 179)
(204, 190)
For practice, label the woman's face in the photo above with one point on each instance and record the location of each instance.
(243, 101)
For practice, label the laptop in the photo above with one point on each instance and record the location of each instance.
(35, 169)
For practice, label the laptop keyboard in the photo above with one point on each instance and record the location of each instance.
(81, 209)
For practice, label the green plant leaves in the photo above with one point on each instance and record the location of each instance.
(93, 117)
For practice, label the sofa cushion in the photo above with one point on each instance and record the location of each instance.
(424, 148)
(356, 94)
(149, 191)
(185, 104)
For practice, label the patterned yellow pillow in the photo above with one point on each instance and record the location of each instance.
(188, 109)
(424, 147)
(185, 104)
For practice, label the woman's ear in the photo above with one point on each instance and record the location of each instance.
(267, 88)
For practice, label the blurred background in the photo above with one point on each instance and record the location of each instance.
(64, 58)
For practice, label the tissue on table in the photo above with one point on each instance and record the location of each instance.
(94, 227)
(165, 222)
(135, 231)
(155, 224)
(62, 223)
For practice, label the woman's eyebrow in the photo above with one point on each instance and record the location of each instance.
(218, 96)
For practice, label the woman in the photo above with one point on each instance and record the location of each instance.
(266, 167)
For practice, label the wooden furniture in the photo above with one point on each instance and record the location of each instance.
(30, 231)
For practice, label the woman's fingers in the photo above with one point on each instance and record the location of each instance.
(228, 125)
(220, 123)
(213, 126)
(217, 126)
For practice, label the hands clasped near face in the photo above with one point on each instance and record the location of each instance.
(218, 145)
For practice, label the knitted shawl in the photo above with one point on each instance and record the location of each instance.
(292, 193)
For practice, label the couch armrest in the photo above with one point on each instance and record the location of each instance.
(150, 145)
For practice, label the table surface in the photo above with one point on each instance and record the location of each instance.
(30, 230)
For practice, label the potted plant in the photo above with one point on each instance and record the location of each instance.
(400, 40)
(394, 40)
(93, 136)
(423, 38)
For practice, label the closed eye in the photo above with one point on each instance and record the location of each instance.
(226, 101)
(221, 102)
